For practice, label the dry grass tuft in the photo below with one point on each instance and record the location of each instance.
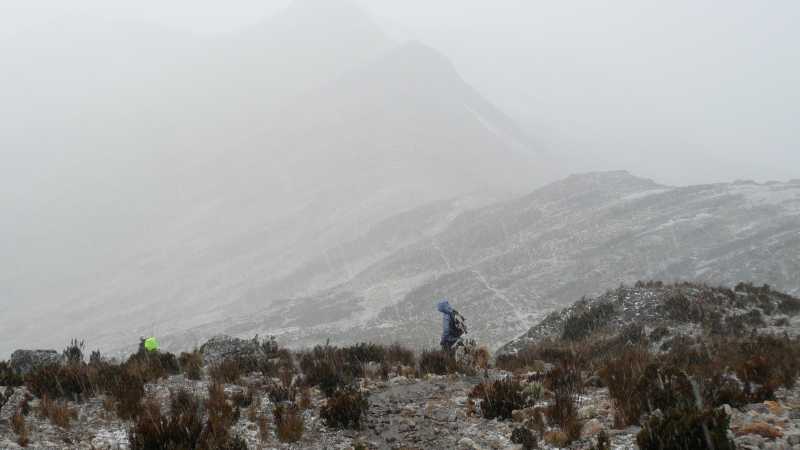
(57, 412)
(762, 429)
(289, 425)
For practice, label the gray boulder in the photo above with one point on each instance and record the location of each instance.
(25, 361)
(219, 348)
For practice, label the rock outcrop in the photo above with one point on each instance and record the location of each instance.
(221, 347)
(25, 361)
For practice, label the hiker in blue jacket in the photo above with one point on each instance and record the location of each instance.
(452, 327)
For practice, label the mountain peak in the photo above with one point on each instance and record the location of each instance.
(328, 9)
(610, 178)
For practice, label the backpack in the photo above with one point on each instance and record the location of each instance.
(458, 326)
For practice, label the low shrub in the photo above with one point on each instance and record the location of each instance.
(397, 354)
(56, 381)
(782, 322)
(533, 357)
(789, 306)
(603, 441)
(305, 399)
(288, 421)
(767, 363)
(533, 392)
(622, 375)
(762, 429)
(363, 353)
(345, 409)
(8, 377)
(17, 422)
(278, 393)
(182, 429)
(686, 429)
(227, 371)
(523, 436)
(95, 358)
(220, 418)
(330, 368)
(558, 439)
(264, 432)
(191, 364)
(679, 308)
(73, 354)
(481, 357)
(659, 333)
(437, 362)
(152, 366)
(124, 386)
(281, 359)
(579, 326)
(565, 382)
(57, 412)
(20, 428)
(500, 398)
(244, 398)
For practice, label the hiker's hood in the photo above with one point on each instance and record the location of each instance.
(444, 307)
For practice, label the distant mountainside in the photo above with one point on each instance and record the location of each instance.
(507, 265)
(152, 203)
(664, 312)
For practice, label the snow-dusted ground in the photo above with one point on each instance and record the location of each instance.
(507, 265)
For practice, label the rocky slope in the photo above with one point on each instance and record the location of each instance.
(407, 410)
(667, 312)
(507, 265)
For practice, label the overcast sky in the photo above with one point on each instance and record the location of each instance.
(684, 91)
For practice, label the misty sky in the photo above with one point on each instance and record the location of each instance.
(683, 91)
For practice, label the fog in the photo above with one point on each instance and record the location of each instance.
(683, 92)
(160, 157)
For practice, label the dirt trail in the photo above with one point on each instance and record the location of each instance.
(429, 414)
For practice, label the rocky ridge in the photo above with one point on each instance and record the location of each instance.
(675, 310)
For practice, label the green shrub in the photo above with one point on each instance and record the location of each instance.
(686, 429)
(345, 409)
